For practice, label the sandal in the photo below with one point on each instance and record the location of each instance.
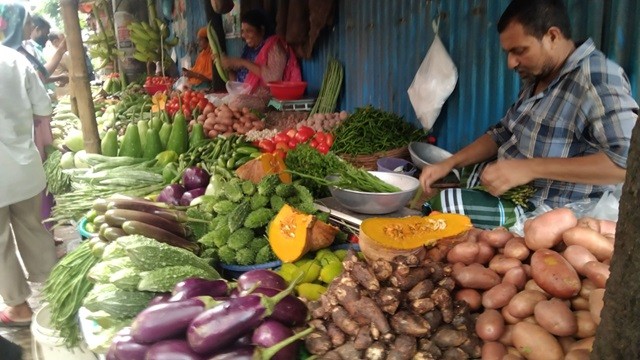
(6, 321)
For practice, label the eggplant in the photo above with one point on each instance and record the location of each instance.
(290, 310)
(117, 217)
(190, 195)
(225, 323)
(193, 287)
(271, 332)
(160, 299)
(261, 278)
(171, 194)
(195, 177)
(258, 352)
(174, 349)
(167, 320)
(156, 208)
(123, 346)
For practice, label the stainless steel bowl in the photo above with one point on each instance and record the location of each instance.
(378, 203)
(423, 154)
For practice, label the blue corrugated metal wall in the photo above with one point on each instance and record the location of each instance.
(382, 43)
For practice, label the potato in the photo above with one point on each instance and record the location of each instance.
(523, 303)
(508, 318)
(471, 297)
(493, 350)
(465, 252)
(512, 354)
(515, 276)
(498, 296)
(586, 343)
(555, 317)
(535, 343)
(578, 354)
(496, 237)
(592, 240)
(490, 325)
(577, 256)
(532, 285)
(597, 272)
(476, 276)
(587, 286)
(501, 264)
(506, 339)
(530, 320)
(516, 248)
(589, 223)
(566, 342)
(596, 303)
(485, 253)
(586, 325)
(579, 303)
(554, 274)
(545, 231)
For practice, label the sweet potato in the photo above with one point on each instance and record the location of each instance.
(516, 248)
(535, 343)
(515, 276)
(490, 325)
(493, 350)
(496, 237)
(586, 325)
(555, 317)
(546, 230)
(476, 276)
(597, 272)
(471, 297)
(592, 240)
(554, 274)
(465, 252)
(596, 303)
(523, 303)
(498, 296)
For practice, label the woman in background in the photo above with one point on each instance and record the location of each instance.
(201, 74)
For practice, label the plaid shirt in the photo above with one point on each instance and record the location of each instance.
(588, 108)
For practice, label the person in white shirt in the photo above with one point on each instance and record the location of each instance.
(23, 103)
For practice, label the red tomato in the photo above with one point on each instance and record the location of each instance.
(282, 146)
(281, 137)
(314, 142)
(266, 145)
(320, 137)
(306, 130)
(290, 132)
(323, 148)
(329, 140)
(203, 103)
(292, 143)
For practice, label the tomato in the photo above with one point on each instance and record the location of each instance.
(281, 137)
(314, 142)
(282, 146)
(290, 132)
(266, 145)
(329, 140)
(320, 137)
(323, 148)
(432, 139)
(292, 143)
(203, 103)
(354, 239)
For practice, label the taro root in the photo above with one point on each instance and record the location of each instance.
(318, 343)
(421, 290)
(388, 299)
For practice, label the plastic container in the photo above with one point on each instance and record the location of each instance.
(390, 164)
(152, 89)
(46, 344)
(287, 90)
(84, 234)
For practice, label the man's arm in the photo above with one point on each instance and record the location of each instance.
(596, 169)
(482, 149)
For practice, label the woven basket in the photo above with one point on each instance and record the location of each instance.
(369, 162)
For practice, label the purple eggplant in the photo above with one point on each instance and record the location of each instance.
(261, 278)
(123, 346)
(188, 196)
(271, 332)
(193, 287)
(167, 320)
(290, 310)
(174, 349)
(171, 194)
(259, 352)
(222, 325)
(195, 177)
(160, 299)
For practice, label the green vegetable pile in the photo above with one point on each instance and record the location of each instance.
(369, 130)
(57, 181)
(240, 212)
(307, 163)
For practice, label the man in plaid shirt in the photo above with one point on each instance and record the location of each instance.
(568, 133)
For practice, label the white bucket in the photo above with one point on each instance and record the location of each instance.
(46, 343)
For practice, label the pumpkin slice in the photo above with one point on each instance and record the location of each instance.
(388, 237)
(292, 234)
(266, 164)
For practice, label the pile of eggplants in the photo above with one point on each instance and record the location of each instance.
(201, 319)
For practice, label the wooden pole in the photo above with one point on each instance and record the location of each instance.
(79, 76)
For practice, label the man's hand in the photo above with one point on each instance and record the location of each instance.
(431, 174)
(502, 175)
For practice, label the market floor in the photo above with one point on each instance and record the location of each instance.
(22, 336)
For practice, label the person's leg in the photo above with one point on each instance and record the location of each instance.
(9, 350)
(13, 285)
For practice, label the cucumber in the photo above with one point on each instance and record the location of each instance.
(154, 144)
(109, 144)
(131, 145)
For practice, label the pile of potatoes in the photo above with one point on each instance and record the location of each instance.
(540, 295)
(226, 120)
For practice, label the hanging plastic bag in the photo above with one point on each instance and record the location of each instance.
(433, 83)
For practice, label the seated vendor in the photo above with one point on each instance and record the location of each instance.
(265, 57)
(568, 134)
(201, 74)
